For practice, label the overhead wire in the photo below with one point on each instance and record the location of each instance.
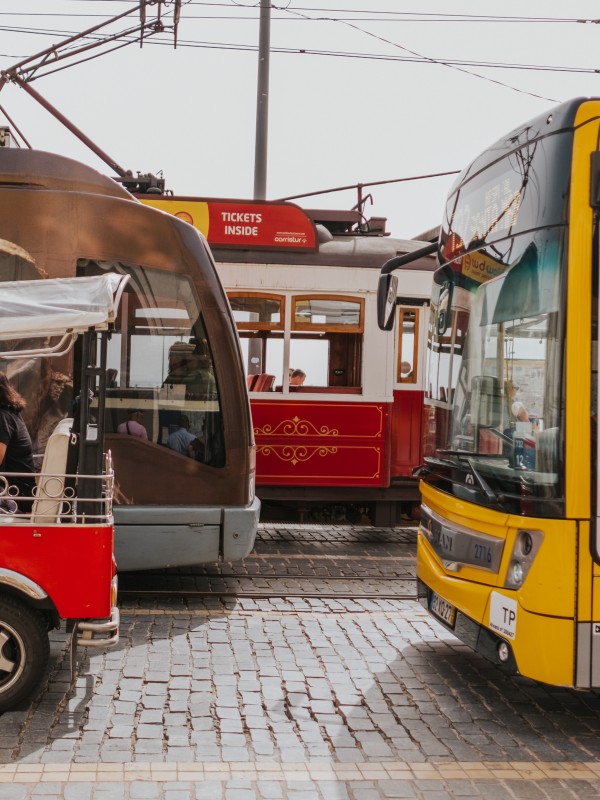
(297, 15)
(418, 15)
(441, 62)
(413, 58)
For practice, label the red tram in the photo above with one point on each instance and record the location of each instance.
(302, 285)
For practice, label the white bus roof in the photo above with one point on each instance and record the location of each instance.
(57, 306)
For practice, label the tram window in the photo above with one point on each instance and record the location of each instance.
(312, 357)
(326, 340)
(260, 321)
(327, 313)
(257, 312)
(160, 358)
(407, 346)
(262, 353)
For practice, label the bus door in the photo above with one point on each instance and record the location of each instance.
(588, 627)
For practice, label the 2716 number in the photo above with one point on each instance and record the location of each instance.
(482, 553)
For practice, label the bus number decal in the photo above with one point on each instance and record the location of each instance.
(482, 553)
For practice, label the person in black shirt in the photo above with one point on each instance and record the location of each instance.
(16, 451)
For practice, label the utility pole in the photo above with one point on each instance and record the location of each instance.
(262, 102)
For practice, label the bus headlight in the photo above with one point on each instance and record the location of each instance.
(516, 573)
(525, 548)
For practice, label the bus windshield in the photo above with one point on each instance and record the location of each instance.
(494, 400)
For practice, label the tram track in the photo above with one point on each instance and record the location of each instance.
(198, 595)
(288, 588)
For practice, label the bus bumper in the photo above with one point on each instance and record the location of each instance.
(542, 647)
(474, 635)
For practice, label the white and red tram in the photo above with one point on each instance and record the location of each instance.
(303, 289)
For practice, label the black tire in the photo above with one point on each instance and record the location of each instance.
(24, 651)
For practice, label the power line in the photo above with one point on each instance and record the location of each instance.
(374, 15)
(410, 15)
(440, 62)
(416, 58)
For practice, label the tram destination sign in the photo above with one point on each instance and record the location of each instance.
(241, 223)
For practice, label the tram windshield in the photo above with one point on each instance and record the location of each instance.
(494, 403)
(160, 362)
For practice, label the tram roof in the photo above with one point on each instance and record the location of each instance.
(21, 167)
(367, 252)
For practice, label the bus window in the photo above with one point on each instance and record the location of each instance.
(326, 339)
(160, 359)
(445, 352)
(407, 346)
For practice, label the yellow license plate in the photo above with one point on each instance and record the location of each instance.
(442, 609)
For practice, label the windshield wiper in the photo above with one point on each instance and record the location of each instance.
(489, 492)
(468, 457)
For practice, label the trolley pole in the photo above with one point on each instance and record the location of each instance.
(262, 102)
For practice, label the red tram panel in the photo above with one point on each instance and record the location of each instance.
(320, 443)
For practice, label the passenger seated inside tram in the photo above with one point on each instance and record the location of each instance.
(133, 425)
(297, 377)
(182, 438)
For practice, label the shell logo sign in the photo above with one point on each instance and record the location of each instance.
(234, 223)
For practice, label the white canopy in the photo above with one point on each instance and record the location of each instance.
(57, 306)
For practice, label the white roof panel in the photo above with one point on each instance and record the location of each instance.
(59, 305)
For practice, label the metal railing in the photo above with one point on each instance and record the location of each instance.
(57, 499)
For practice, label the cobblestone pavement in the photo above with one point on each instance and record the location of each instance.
(302, 699)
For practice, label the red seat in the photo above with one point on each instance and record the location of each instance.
(264, 383)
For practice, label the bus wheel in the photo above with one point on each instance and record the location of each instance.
(24, 651)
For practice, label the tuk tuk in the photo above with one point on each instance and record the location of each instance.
(57, 559)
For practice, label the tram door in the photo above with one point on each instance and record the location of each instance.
(407, 410)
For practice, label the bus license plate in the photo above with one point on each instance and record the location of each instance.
(442, 609)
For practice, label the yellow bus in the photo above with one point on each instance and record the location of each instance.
(508, 554)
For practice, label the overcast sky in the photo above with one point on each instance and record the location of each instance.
(356, 111)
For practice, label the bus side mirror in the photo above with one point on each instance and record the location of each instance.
(486, 401)
(442, 322)
(387, 290)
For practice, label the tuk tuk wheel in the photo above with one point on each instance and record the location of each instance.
(24, 651)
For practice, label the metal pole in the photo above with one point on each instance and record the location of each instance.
(262, 102)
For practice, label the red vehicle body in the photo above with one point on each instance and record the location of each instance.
(52, 556)
(303, 289)
(57, 560)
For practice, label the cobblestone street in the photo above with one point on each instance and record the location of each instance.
(295, 698)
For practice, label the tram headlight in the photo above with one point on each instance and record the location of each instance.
(525, 549)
